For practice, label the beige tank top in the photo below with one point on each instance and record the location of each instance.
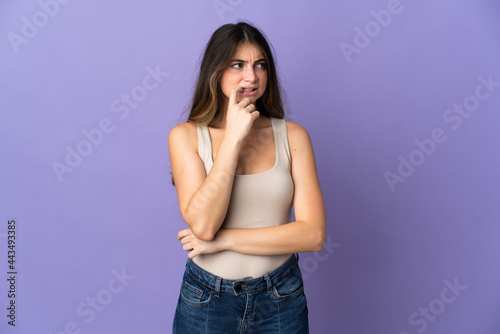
(257, 200)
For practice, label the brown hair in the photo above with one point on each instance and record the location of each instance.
(208, 97)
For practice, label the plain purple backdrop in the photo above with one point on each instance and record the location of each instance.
(411, 211)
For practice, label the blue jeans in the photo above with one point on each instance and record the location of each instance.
(272, 303)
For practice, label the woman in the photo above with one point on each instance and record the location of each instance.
(237, 166)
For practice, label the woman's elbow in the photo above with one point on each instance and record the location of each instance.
(198, 228)
(319, 245)
(201, 232)
(205, 236)
(319, 241)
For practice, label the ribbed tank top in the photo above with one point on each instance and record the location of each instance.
(257, 200)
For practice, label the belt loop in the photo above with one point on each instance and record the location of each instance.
(297, 257)
(269, 283)
(217, 286)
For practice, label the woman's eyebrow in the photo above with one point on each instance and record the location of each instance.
(244, 61)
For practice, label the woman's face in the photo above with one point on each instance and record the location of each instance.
(248, 70)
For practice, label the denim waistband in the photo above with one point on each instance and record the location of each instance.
(243, 285)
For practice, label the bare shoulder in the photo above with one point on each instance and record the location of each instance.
(184, 134)
(298, 137)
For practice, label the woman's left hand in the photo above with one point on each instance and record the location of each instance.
(197, 246)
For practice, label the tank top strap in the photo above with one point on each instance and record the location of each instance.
(205, 147)
(281, 138)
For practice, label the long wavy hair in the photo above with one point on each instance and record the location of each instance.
(208, 98)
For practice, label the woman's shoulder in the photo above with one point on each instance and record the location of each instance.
(293, 126)
(296, 131)
(184, 128)
(298, 138)
(184, 133)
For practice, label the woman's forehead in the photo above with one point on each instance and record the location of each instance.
(247, 50)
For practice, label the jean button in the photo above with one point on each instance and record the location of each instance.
(237, 288)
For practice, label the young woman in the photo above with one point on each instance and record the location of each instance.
(238, 167)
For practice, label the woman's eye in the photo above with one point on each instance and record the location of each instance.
(261, 66)
(237, 65)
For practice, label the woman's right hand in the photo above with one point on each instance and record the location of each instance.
(239, 116)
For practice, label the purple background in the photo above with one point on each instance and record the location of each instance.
(390, 251)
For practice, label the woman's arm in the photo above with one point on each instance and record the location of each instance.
(204, 199)
(306, 234)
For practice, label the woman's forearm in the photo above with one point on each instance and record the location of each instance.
(294, 237)
(208, 205)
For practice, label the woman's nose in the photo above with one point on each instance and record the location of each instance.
(249, 74)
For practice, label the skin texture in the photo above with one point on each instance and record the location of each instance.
(247, 69)
(204, 235)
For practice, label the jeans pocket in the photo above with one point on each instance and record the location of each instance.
(289, 286)
(194, 293)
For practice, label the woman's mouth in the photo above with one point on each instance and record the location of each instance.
(249, 91)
